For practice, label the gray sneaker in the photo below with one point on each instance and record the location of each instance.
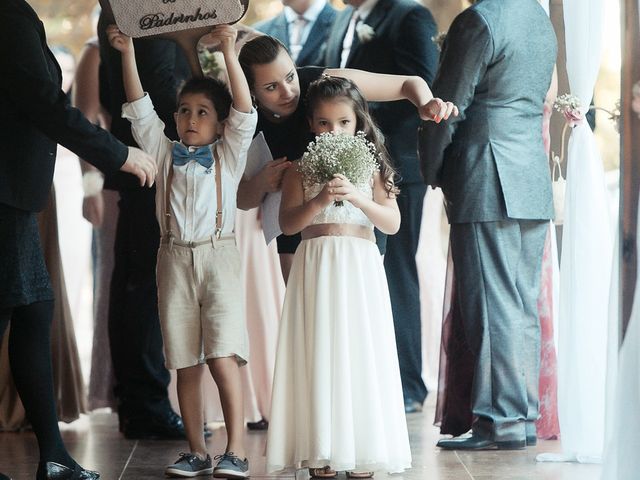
(230, 466)
(189, 465)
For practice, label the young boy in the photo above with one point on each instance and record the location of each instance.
(199, 289)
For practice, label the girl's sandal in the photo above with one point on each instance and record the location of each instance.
(322, 472)
(359, 475)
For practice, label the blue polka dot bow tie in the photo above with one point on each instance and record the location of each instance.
(182, 155)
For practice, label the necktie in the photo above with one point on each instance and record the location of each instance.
(183, 155)
(295, 38)
(350, 39)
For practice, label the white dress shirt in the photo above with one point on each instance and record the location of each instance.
(299, 26)
(360, 14)
(193, 189)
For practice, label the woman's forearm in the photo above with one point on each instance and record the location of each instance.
(251, 192)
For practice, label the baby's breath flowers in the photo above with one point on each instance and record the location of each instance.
(350, 155)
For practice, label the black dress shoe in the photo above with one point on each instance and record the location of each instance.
(160, 427)
(55, 471)
(532, 440)
(262, 424)
(475, 442)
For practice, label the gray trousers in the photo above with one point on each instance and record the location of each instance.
(497, 270)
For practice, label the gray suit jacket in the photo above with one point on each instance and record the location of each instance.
(496, 65)
(313, 51)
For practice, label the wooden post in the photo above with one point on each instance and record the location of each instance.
(630, 156)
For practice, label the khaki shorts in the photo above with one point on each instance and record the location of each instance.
(201, 302)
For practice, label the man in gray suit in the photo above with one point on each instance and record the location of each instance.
(303, 27)
(496, 65)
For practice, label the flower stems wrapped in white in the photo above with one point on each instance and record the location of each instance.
(350, 155)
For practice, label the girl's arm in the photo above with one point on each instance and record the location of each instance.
(382, 210)
(226, 34)
(295, 214)
(378, 87)
(124, 44)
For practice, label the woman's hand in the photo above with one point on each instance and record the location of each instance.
(118, 40)
(141, 165)
(271, 174)
(437, 110)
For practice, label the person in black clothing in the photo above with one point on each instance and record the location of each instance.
(141, 378)
(279, 88)
(35, 114)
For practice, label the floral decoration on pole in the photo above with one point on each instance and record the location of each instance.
(569, 105)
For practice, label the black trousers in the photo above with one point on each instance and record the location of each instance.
(134, 326)
(402, 276)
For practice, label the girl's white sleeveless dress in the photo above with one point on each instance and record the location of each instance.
(337, 396)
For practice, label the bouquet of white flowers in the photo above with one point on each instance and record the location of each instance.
(350, 155)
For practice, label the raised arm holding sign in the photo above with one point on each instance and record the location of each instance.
(183, 21)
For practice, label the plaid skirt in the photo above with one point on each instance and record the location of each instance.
(23, 274)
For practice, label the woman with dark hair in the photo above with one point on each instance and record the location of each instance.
(278, 88)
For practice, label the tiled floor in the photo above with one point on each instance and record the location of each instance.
(95, 442)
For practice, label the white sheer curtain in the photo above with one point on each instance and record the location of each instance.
(585, 269)
(621, 460)
(545, 5)
(431, 260)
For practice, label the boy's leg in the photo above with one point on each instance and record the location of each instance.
(226, 373)
(189, 387)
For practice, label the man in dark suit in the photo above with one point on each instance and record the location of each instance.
(303, 27)
(141, 379)
(35, 115)
(497, 64)
(394, 37)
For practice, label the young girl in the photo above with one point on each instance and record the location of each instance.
(199, 287)
(279, 88)
(337, 397)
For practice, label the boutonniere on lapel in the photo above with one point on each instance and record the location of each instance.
(439, 40)
(365, 32)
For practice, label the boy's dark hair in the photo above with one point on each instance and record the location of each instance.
(259, 51)
(328, 88)
(214, 89)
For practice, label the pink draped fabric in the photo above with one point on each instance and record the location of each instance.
(548, 425)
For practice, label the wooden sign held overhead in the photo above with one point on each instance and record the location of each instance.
(183, 21)
(143, 18)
